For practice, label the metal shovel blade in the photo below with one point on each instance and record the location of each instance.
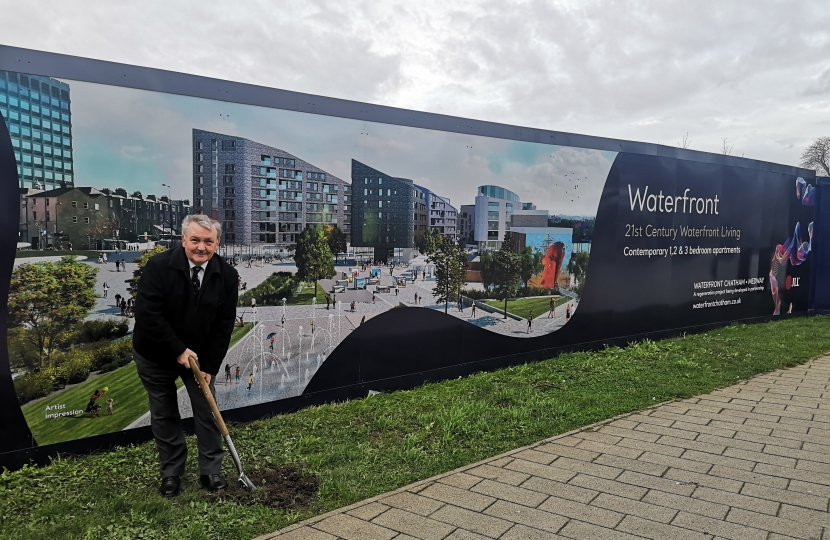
(243, 479)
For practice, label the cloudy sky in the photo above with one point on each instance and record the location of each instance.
(755, 73)
(139, 140)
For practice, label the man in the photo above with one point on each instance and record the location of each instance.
(186, 307)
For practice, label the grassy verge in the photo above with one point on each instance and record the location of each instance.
(523, 306)
(365, 447)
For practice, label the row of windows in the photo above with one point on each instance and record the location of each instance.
(266, 160)
(389, 192)
(34, 105)
(32, 87)
(43, 119)
(24, 131)
(36, 134)
(39, 173)
(26, 159)
(45, 112)
(44, 149)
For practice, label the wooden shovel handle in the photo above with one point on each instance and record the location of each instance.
(197, 372)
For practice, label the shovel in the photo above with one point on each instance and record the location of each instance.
(223, 429)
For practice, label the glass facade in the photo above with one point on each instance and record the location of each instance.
(38, 116)
(497, 192)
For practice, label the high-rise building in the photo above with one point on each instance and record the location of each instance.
(391, 212)
(38, 115)
(388, 212)
(262, 194)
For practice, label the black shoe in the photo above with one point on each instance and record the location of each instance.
(170, 486)
(212, 482)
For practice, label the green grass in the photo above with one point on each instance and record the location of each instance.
(239, 332)
(365, 447)
(523, 306)
(305, 295)
(129, 403)
(22, 254)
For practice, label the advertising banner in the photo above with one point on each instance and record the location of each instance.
(450, 252)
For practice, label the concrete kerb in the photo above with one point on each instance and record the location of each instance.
(423, 484)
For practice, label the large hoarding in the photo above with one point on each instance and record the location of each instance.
(566, 242)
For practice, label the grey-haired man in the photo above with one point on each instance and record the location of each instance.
(186, 306)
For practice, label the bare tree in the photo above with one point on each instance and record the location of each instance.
(727, 148)
(817, 156)
(686, 142)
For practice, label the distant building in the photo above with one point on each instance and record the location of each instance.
(466, 222)
(442, 217)
(497, 210)
(88, 218)
(262, 194)
(38, 115)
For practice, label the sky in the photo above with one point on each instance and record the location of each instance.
(756, 74)
(140, 140)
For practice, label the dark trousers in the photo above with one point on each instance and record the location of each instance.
(160, 382)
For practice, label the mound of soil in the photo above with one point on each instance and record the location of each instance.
(285, 486)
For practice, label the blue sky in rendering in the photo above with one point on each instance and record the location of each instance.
(140, 140)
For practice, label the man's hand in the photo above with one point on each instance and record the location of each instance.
(183, 359)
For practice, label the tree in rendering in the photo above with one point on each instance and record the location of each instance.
(450, 271)
(313, 257)
(507, 267)
(432, 241)
(487, 269)
(49, 298)
(817, 156)
(335, 238)
(531, 264)
(578, 266)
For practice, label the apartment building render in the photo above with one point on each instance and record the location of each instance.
(262, 194)
(388, 212)
(391, 212)
(497, 210)
(38, 116)
(442, 215)
(466, 222)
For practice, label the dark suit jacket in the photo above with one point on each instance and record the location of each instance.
(169, 319)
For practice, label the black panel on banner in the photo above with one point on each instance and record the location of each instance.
(14, 431)
(821, 249)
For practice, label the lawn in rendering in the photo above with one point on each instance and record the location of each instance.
(523, 306)
(362, 448)
(123, 386)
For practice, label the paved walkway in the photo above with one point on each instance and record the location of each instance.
(751, 461)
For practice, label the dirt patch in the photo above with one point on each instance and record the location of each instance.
(286, 486)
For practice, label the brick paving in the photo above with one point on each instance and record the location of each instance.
(744, 462)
